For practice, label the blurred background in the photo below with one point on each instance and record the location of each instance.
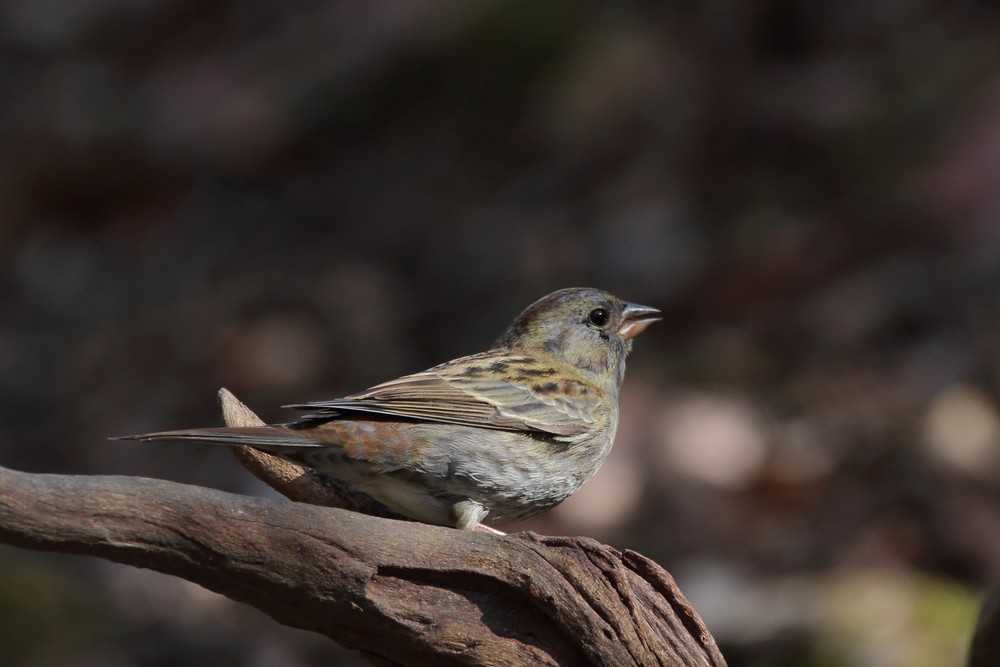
(299, 199)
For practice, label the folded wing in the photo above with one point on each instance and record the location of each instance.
(484, 391)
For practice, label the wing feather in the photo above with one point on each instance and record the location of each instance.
(488, 390)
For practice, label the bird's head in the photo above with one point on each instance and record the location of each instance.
(587, 328)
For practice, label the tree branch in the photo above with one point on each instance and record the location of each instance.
(403, 592)
(295, 482)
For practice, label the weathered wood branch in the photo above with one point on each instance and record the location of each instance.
(296, 482)
(402, 592)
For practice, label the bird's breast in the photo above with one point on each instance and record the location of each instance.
(513, 474)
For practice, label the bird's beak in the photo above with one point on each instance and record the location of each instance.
(635, 319)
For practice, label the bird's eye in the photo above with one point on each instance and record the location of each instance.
(599, 316)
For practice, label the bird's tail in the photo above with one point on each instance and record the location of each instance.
(274, 439)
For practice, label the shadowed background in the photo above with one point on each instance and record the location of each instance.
(297, 200)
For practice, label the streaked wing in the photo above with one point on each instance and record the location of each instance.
(488, 390)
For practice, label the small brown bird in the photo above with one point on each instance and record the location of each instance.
(503, 434)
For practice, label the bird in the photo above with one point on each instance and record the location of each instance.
(483, 440)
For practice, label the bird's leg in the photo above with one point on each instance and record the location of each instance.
(468, 515)
(483, 528)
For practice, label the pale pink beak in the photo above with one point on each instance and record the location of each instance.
(635, 319)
